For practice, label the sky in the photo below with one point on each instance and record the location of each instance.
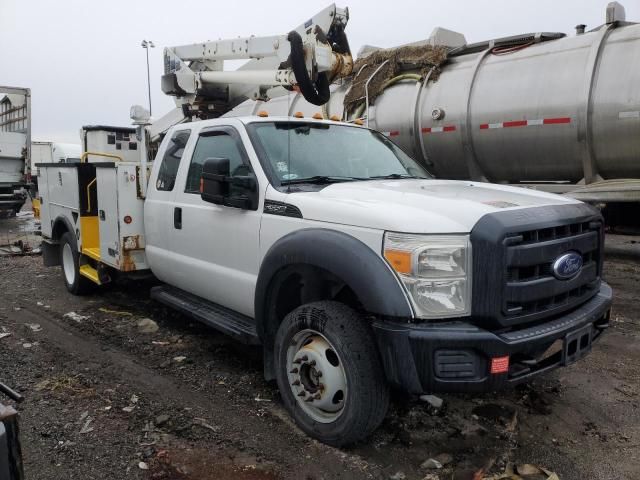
(84, 64)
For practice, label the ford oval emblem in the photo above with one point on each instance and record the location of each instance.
(567, 265)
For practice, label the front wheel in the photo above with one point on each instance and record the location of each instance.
(329, 373)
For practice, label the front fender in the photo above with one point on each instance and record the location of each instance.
(346, 257)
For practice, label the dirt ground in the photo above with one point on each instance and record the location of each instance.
(106, 401)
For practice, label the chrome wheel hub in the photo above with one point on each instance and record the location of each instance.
(316, 376)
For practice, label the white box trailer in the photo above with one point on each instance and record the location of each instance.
(53, 152)
(15, 143)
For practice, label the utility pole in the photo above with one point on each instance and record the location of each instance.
(147, 44)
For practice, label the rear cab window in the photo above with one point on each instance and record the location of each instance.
(171, 160)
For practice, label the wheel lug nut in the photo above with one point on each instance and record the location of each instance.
(304, 358)
(317, 396)
(310, 399)
(302, 393)
(295, 370)
(297, 360)
(319, 374)
(312, 363)
(296, 383)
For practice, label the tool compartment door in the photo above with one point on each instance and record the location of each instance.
(131, 218)
(108, 215)
(60, 197)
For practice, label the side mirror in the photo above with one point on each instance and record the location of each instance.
(217, 186)
(214, 186)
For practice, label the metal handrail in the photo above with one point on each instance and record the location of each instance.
(89, 185)
(83, 157)
(366, 87)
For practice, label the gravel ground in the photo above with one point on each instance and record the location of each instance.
(105, 400)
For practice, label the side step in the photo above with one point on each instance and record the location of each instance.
(91, 273)
(227, 321)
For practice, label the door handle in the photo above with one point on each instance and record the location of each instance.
(177, 218)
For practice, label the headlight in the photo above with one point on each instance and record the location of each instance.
(435, 269)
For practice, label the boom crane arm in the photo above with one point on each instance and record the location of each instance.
(308, 59)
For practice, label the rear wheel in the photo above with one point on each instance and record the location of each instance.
(329, 373)
(70, 262)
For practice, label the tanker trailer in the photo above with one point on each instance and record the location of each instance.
(542, 110)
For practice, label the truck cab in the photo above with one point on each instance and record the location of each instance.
(354, 269)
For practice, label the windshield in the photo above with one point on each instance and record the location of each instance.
(299, 152)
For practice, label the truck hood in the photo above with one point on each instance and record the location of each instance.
(415, 206)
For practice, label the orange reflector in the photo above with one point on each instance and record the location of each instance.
(400, 261)
(128, 219)
(201, 185)
(298, 115)
(263, 113)
(357, 121)
(499, 365)
(335, 118)
(317, 116)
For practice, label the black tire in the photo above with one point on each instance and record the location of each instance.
(367, 397)
(79, 285)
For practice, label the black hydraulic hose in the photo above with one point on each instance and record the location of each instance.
(317, 93)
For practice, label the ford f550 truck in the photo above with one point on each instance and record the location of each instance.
(324, 242)
(330, 247)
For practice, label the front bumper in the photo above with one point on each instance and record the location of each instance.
(456, 356)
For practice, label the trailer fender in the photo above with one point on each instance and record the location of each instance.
(50, 253)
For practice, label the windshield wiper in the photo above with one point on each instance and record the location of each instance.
(392, 176)
(318, 179)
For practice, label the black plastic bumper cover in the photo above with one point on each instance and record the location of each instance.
(456, 356)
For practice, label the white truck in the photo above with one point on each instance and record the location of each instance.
(53, 152)
(15, 140)
(326, 244)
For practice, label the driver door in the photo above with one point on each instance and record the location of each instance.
(217, 246)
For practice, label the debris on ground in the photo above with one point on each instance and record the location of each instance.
(201, 422)
(34, 327)
(146, 325)
(4, 335)
(161, 420)
(437, 462)
(179, 359)
(75, 317)
(495, 412)
(87, 428)
(398, 476)
(434, 402)
(523, 472)
(115, 312)
(431, 464)
(143, 465)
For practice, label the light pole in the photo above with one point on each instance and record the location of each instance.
(147, 44)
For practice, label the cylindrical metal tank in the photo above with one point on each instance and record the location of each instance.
(561, 110)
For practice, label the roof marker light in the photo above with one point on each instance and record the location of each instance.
(263, 113)
(317, 116)
(298, 115)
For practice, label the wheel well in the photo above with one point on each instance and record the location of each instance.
(297, 285)
(60, 227)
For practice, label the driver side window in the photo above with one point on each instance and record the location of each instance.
(214, 145)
